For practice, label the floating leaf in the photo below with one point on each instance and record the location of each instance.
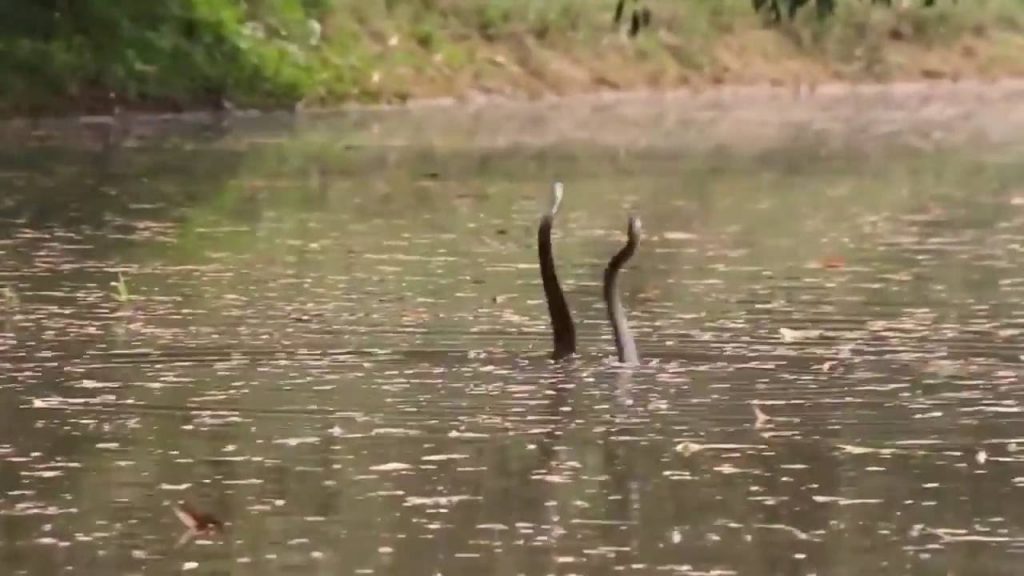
(390, 467)
(790, 335)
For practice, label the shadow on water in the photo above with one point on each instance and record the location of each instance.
(340, 348)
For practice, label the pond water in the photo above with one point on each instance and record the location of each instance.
(331, 334)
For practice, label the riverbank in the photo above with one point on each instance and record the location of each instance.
(331, 52)
(748, 119)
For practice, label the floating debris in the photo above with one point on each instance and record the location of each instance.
(391, 467)
(791, 335)
(196, 520)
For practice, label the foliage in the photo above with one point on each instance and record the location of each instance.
(167, 51)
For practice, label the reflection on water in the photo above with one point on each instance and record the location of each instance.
(341, 351)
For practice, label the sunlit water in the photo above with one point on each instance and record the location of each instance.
(334, 339)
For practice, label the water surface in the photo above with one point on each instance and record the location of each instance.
(335, 340)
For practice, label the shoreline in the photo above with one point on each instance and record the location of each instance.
(744, 117)
(830, 89)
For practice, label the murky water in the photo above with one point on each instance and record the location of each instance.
(334, 340)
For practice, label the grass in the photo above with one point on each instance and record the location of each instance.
(122, 295)
(188, 53)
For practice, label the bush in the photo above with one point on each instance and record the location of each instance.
(171, 51)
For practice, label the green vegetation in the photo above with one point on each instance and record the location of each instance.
(122, 295)
(164, 53)
(90, 55)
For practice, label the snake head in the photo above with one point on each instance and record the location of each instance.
(634, 229)
(557, 190)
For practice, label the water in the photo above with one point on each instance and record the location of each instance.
(335, 341)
